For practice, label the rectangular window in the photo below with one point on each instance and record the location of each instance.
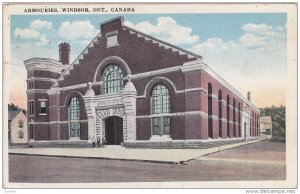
(30, 84)
(74, 129)
(31, 131)
(156, 126)
(161, 126)
(31, 107)
(166, 125)
(112, 41)
(43, 109)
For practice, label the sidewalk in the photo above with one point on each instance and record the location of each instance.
(171, 156)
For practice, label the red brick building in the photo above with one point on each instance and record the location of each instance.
(133, 90)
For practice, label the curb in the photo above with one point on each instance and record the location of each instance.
(103, 158)
(138, 160)
(249, 142)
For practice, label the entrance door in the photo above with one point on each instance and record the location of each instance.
(114, 130)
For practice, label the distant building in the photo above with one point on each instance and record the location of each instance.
(17, 127)
(134, 90)
(266, 127)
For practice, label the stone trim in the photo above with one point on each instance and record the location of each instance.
(55, 122)
(156, 72)
(32, 91)
(44, 64)
(176, 114)
(57, 106)
(41, 79)
(192, 90)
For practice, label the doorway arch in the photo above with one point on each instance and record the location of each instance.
(114, 130)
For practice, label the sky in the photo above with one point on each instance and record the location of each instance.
(247, 49)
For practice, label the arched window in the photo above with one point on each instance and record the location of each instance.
(233, 116)
(210, 122)
(74, 117)
(161, 104)
(220, 112)
(113, 79)
(228, 117)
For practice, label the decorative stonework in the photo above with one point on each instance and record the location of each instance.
(100, 107)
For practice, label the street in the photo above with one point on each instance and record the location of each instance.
(258, 161)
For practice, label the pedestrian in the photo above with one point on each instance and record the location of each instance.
(104, 141)
(98, 142)
(94, 143)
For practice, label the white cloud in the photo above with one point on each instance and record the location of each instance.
(82, 30)
(168, 30)
(27, 33)
(252, 41)
(263, 36)
(36, 33)
(256, 28)
(39, 25)
(213, 45)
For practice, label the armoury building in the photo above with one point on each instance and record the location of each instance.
(136, 91)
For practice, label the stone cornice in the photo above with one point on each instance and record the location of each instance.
(43, 64)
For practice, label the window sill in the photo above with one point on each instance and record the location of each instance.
(112, 46)
(160, 138)
(43, 114)
(74, 138)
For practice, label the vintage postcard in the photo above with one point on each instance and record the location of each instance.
(150, 95)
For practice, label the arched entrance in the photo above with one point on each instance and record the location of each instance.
(114, 130)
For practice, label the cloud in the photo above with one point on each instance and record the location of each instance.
(258, 57)
(256, 28)
(213, 45)
(168, 30)
(263, 36)
(36, 33)
(252, 41)
(77, 30)
(39, 25)
(27, 33)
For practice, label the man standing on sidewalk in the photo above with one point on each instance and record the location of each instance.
(98, 142)
(104, 141)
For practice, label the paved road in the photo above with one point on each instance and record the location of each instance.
(247, 162)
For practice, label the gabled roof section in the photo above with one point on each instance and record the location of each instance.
(131, 31)
(76, 61)
(13, 113)
(163, 43)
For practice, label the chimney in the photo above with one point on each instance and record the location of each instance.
(64, 53)
(249, 95)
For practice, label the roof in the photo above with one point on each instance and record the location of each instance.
(176, 48)
(12, 114)
(266, 119)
